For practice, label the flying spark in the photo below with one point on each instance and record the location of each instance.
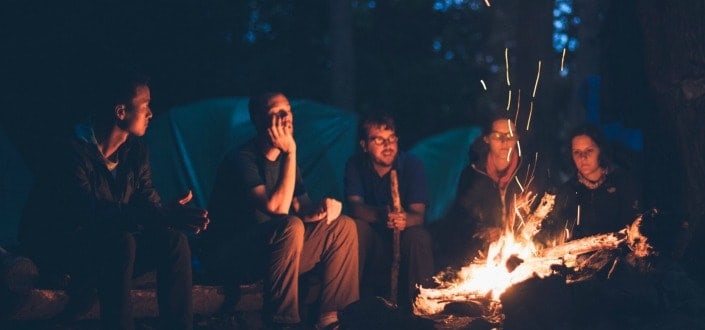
(516, 115)
(519, 183)
(536, 84)
(531, 112)
(506, 64)
(509, 99)
(562, 59)
(483, 84)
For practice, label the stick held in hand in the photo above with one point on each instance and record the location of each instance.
(396, 207)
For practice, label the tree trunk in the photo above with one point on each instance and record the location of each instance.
(675, 66)
(342, 55)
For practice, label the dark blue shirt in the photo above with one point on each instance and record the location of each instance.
(362, 180)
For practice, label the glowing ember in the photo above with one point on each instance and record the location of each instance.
(483, 84)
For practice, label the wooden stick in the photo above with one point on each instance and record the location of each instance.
(396, 207)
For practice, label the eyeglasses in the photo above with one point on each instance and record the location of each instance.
(499, 136)
(380, 141)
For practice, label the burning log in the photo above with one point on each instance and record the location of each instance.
(487, 279)
(533, 221)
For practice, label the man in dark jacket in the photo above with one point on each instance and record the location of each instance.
(102, 221)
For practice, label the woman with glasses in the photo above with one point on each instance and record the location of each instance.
(487, 190)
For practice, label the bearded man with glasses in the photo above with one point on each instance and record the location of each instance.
(368, 197)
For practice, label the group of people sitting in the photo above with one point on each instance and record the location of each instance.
(108, 223)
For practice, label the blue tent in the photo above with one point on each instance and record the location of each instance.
(188, 143)
(15, 184)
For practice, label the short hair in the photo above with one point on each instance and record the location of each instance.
(595, 133)
(117, 85)
(378, 119)
(258, 106)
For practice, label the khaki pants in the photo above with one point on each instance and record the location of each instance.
(295, 247)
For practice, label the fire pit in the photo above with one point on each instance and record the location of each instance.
(514, 268)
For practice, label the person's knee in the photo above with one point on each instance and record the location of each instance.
(347, 227)
(415, 238)
(177, 243)
(364, 229)
(293, 231)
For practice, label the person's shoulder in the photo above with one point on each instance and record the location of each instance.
(620, 176)
(357, 159)
(247, 150)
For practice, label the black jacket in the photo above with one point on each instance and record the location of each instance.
(82, 194)
(607, 208)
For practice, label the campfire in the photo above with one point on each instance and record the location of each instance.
(514, 258)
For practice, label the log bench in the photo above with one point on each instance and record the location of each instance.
(21, 300)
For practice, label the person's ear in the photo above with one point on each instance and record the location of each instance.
(120, 111)
(363, 145)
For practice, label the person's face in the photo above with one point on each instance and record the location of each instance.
(381, 144)
(137, 113)
(586, 155)
(279, 110)
(502, 139)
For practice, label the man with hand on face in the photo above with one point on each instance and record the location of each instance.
(368, 195)
(263, 215)
(107, 222)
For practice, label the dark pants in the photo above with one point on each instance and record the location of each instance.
(126, 255)
(109, 260)
(376, 248)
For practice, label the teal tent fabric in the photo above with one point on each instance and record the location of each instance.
(444, 155)
(187, 144)
(15, 184)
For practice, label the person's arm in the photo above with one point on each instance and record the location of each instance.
(327, 208)
(279, 201)
(363, 212)
(414, 195)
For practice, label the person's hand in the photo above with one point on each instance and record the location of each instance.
(281, 135)
(328, 209)
(193, 219)
(333, 209)
(396, 220)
